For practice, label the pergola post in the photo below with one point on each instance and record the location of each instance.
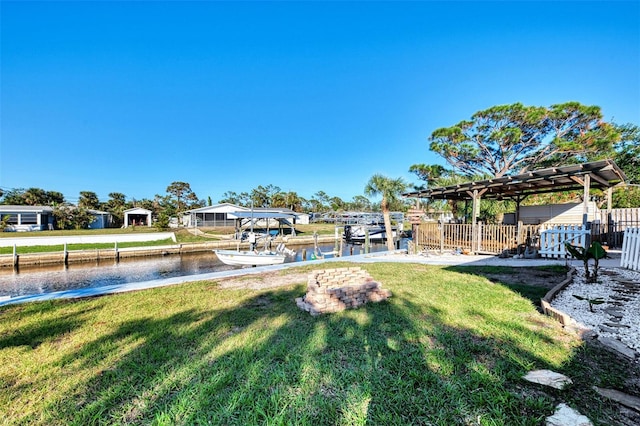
(585, 201)
(475, 207)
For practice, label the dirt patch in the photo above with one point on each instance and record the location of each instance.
(534, 277)
(264, 280)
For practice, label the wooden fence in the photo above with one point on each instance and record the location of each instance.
(608, 228)
(492, 239)
(631, 249)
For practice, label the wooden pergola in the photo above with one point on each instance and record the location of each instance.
(603, 175)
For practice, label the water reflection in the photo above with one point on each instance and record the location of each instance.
(46, 279)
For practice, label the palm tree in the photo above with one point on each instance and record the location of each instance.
(390, 189)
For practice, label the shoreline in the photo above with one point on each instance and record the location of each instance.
(115, 254)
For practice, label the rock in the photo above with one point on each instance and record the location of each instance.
(567, 416)
(620, 397)
(548, 378)
(618, 347)
(607, 329)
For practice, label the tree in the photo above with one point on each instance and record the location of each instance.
(389, 189)
(293, 201)
(116, 205)
(263, 196)
(14, 197)
(68, 217)
(319, 201)
(35, 197)
(360, 202)
(182, 193)
(509, 139)
(627, 155)
(337, 204)
(428, 173)
(230, 197)
(32, 197)
(89, 200)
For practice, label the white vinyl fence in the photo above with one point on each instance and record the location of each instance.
(631, 249)
(552, 240)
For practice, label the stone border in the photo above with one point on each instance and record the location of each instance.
(557, 314)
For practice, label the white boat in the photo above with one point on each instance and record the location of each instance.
(249, 258)
(358, 233)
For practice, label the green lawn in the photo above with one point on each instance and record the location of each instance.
(449, 348)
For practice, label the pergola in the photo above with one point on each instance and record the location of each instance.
(603, 174)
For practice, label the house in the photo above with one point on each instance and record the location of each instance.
(212, 216)
(223, 215)
(102, 219)
(40, 218)
(27, 218)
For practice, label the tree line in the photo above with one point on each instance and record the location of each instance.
(499, 141)
(179, 198)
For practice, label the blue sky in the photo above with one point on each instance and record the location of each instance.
(307, 96)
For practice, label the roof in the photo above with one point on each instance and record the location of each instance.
(138, 210)
(218, 208)
(261, 215)
(603, 174)
(8, 208)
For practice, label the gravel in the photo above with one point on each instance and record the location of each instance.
(618, 317)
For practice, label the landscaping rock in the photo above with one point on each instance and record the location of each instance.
(548, 378)
(567, 416)
(618, 347)
(620, 397)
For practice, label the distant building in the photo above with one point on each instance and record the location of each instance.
(40, 218)
(137, 216)
(553, 214)
(27, 218)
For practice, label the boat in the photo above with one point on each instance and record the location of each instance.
(358, 233)
(250, 258)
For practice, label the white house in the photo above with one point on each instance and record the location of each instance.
(40, 218)
(217, 215)
(27, 218)
(223, 215)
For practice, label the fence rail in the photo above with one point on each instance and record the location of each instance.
(495, 239)
(631, 249)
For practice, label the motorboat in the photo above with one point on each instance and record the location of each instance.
(250, 258)
(358, 233)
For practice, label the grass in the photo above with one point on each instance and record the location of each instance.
(92, 246)
(448, 348)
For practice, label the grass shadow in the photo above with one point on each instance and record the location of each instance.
(196, 354)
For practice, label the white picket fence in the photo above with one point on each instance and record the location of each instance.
(631, 249)
(552, 241)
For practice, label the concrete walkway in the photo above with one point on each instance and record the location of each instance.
(398, 256)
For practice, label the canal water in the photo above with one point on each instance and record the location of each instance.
(39, 280)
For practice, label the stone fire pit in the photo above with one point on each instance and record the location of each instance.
(334, 290)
